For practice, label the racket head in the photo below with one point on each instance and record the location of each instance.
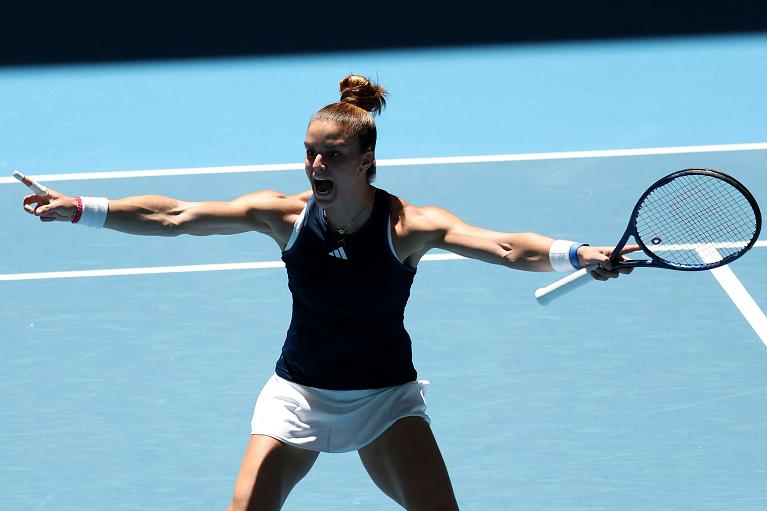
(694, 220)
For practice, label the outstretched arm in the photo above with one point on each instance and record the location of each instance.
(265, 211)
(268, 212)
(424, 228)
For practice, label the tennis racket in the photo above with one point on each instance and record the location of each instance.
(691, 220)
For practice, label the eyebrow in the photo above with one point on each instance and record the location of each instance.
(329, 146)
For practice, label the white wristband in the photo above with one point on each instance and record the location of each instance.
(95, 211)
(559, 255)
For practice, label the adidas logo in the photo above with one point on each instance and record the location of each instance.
(339, 253)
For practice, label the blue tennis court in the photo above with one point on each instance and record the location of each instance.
(130, 365)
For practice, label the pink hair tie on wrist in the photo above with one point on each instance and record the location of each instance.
(79, 212)
(91, 211)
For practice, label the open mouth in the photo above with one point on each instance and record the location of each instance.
(323, 186)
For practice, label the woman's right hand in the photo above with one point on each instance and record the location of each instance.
(52, 207)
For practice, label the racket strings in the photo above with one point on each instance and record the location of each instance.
(696, 221)
(707, 214)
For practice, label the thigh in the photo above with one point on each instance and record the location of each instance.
(406, 464)
(269, 470)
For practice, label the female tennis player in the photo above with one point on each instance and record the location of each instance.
(345, 378)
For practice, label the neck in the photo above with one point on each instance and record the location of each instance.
(346, 217)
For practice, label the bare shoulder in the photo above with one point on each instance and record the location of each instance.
(408, 218)
(272, 212)
(417, 229)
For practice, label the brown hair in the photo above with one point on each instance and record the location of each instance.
(361, 99)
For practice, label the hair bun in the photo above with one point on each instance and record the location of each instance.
(359, 91)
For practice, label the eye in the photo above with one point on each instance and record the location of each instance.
(334, 154)
(310, 153)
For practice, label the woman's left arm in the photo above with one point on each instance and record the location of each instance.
(434, 227)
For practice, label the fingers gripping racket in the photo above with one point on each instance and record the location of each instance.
(691, 220)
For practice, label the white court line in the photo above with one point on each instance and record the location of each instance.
(442, 160)
(729, 244)
(724, 275)
(154, 270)
(737, 293)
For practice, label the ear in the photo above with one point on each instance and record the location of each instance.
(368, 159)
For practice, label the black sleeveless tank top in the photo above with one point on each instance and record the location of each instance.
(349, 298)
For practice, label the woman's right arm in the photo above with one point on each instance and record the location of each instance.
(264, 211)
(267, 212)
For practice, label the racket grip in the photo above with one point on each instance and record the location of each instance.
(564, 285)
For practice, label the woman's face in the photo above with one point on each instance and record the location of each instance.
(335, 164)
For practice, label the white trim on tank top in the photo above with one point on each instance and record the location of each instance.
(297, 226)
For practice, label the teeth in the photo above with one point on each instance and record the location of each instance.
(318, 180)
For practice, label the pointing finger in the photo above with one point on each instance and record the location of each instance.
(33, 185)
(630, 248)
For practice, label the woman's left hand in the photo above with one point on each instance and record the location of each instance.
(600, 258)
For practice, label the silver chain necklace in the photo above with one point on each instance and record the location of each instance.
(341, 232)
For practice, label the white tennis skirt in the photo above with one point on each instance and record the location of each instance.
(333, 420)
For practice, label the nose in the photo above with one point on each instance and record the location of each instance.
(318, 162)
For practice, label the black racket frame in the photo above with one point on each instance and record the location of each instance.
(657, 262)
